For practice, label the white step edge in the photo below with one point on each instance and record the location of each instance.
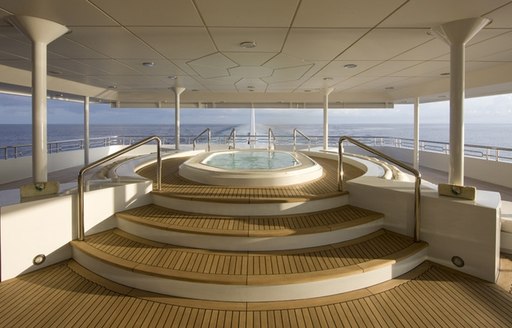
(239, 243)
(254, 209)
(246, 293)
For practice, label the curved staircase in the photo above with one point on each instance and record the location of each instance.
(274, 249)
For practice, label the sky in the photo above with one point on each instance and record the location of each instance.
(492, 109)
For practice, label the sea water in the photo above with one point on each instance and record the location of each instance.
(499, 135)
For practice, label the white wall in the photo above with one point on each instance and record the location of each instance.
(452, 227)
(46, 226)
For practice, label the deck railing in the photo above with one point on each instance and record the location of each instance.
(232, 136)
(208, 137)
(297, 131)
(416, 173)
(85, 169)
(490, 153)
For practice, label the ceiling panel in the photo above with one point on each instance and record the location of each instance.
(3, 14)
(108, 66)
(388, 68)
(285, 60)
(288, 74)
(74, 67)
(267, 39)
(504, 56)
(344, 13)
(250, 58)
(245, 13)
(426, 14)
(352, 82)
(283, 86)
(66, 12)
(383, 84)
(153, 13)
(305, 43)
(9, 56)
(339, 68)
(215, 65)
(431, 68)
(161, 67)
(177, 42)
(489, 47)
(250, 71)
(432, 48)
(15, 47)
(384, 44)
(101, 39)
(501, 17)
(319, 83)
(72, 49)
(245, 85)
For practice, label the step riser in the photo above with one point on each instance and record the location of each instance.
(245, 293)
(230, 243)
(254, 209)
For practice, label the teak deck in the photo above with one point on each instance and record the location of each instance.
(67, 295)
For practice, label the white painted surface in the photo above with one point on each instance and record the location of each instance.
(46, 226)
(232, 243)
(240, 209)
(452, 227)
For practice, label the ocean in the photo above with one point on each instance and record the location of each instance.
(498, 135)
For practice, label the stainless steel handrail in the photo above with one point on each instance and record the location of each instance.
(271, 139)
(417, 174)
(209, 136)
(232, 135)
(295, 131)
(80, 194)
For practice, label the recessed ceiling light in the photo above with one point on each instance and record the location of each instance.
(250, 87)
(389, 88)
(195, 90)
(55, 72)
(148, 64)
(248, 44)
(445, 74)
(350, 65)
(307, 90)
(112, 86)
(327, 78)
(173, 77)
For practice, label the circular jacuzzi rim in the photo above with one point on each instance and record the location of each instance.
(307, 171)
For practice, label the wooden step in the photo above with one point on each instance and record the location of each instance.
(249, 276)
(249, 233)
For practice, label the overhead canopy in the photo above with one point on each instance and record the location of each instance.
(259, 53)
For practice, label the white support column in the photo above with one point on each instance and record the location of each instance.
(326, 118)
(86, 131)
(41, 32)
(456, 34)
(416, 151)
(177, 107)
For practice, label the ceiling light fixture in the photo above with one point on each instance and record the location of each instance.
(389, 88)
(148, 64)
(350, 66)
(327, 78)
(173, 77)
(445, 74)
(248, 44)
(55, 72)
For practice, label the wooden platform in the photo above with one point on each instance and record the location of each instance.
(67, 295)
(175, 186)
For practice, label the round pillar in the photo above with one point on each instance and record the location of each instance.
(41, 32)
(177, 106)
(456, 34)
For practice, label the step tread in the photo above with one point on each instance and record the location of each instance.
(133, 253)
(250, 226)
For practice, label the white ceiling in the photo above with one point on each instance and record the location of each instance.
(302, 47)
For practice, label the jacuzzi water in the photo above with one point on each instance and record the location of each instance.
(251, 168)
(251, 160)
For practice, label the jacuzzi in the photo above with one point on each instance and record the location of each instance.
(251, 168)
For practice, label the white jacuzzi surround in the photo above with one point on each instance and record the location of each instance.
(306, 170)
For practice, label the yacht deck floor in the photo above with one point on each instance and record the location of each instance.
(67, 295)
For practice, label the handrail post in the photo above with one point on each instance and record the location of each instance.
(417, 174)
(209, 139)
(294, 139)
(81, 173)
